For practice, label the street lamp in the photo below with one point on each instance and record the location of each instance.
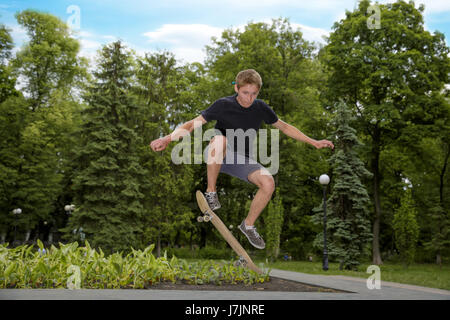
(324, 180)
(16, 213)
(69, 208)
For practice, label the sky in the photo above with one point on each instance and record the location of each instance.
(186, 27)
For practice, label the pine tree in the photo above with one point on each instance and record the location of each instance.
(348, 226)
(107, 181)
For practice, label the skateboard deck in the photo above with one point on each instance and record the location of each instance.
(209, 215)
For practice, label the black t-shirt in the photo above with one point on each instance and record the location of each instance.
(231, 115)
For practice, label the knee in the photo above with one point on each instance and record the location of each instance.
(268, 184)
(263, 180)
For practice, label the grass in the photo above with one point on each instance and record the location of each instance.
(426, 275)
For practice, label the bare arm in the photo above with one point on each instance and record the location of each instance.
(296, 134)
(183, 130)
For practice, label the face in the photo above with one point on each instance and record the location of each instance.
(246, 94)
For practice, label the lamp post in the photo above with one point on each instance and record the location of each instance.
(82, 234)
(16, 213)
(69, 208)
(324, 180)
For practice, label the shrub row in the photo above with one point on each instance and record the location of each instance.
(71, 266)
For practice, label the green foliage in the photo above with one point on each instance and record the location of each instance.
(274, 222)
(163, 103)
(406, 228)
(37, 123)
(7, 81)
(71, 266)
(13, 115)
(49, 60)
(108, 173)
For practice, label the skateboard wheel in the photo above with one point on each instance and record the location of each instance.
(200, 219)
(207, 218)
(240, 263)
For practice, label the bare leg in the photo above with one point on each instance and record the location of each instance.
(217, 151)
(266, 186)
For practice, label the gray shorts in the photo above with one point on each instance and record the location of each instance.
(238, 165)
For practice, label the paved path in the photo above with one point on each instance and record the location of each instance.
(356, 288)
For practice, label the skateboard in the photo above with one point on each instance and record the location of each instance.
(210, 216)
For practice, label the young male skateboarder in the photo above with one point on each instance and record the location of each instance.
(242, 111)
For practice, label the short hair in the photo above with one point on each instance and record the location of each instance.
(248, 76)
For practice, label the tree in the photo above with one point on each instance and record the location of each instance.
(391, 77)
(40, 166)
(430, 177)
(108, 177)
(7, 81)
(12, 115)
(49, 60)
(348, 226)
(274, 220)
(163, 93)
(406, 228)
(48, 66)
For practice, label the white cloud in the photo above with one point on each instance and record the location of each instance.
(89, 43)
(88, 48)
(186, 41)
(183, 34)
(189, 55)
(311, 33)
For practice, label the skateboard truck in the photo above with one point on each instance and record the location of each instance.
(205, 218)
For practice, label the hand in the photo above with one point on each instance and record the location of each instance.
(160, 144)
(324, 144)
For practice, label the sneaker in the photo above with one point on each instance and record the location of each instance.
(252, 236)
(213, 200)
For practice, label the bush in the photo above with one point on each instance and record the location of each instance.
(406, 228)
(215, 253)
(74, 267)
(183, 253)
